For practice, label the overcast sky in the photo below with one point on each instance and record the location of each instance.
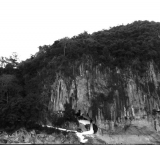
(27, 24)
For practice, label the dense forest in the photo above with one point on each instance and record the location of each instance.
(25, 86)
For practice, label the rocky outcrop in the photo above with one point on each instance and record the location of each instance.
(106, 94)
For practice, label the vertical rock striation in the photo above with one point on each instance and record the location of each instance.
(105, 93)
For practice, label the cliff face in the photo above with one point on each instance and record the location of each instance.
(108, 74)
(106, 94)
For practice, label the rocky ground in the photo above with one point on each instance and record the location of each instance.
(137, 132)
(23, 136)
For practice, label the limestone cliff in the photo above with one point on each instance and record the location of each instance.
(106, 94)
(108, 74)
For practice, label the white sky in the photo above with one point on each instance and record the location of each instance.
(27, 24)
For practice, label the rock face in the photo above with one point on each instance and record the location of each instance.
(106, 94)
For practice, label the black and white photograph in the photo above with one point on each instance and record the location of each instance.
(79, 72)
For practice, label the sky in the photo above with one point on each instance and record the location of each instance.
(27, 24)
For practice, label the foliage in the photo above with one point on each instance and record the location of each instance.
(17, 107)
(121, 46)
